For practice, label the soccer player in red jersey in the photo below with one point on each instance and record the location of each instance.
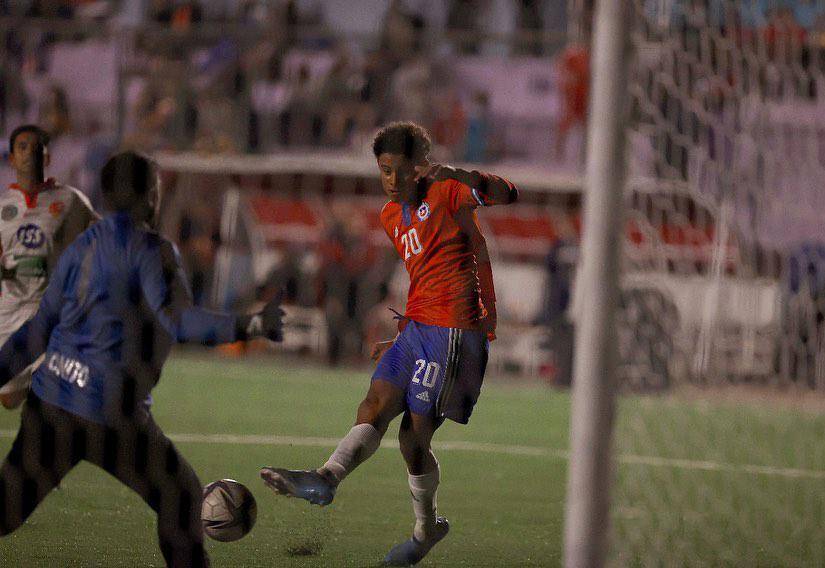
(434, 368)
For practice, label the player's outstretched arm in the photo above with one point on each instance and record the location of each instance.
(488, 189)
(166, 289)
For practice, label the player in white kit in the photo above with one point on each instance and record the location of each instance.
(39, 218)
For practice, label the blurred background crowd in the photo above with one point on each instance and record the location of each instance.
(230, 76)
(494, 80)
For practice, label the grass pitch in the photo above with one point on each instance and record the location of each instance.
(698, 482)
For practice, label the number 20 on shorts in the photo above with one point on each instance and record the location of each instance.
(431, 370)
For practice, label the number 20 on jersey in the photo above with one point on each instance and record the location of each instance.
(411, 242)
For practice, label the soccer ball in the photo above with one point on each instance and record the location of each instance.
(229, 510)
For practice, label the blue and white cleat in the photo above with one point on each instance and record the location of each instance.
(308, 485)
(413, 551)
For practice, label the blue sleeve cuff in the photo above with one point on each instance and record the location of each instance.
(203, 326)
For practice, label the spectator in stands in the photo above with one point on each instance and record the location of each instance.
(807, 13)
(477, 136)
(463, 19)
(160, 11)
(199, 238)
(165, 115)
(101, 144)
(346, 255)
(223, 101)
(221, 124)
(269, 95)
(67, 147)
(784, 36)
(401, 32)
(530, 25)
(338, 101)
(54, 112)
(14, 101)
(364, 124)
(50, 9)
(574, 79)
(411, 90)
(300, 122)
(561, 264)
(178, 15)
(449, 122)
(376, 87)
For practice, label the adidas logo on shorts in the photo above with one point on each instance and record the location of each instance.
(423, 396)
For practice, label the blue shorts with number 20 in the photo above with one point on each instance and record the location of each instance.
(440, 369)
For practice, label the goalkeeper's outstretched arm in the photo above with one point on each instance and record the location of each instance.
(167, 291)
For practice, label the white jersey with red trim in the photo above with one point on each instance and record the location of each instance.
(34, 231)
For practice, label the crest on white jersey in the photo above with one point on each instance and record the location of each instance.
(31, 236)
(423, 211)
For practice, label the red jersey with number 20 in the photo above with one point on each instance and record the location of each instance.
(434, 242)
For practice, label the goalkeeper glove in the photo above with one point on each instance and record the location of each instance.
(266, 323)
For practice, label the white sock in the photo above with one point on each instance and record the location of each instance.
(353, 449)
(423, 489)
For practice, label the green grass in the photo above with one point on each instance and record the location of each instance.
(505, 509)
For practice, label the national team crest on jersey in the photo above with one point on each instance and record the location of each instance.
(8, 213)
(423, 211)
(31, 236)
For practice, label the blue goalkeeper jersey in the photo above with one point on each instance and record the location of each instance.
(116, 302)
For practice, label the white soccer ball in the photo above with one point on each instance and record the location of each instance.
(229, 510)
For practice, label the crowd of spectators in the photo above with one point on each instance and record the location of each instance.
(256, 76)
(251, 76)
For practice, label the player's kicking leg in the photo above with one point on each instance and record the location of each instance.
(383, 403)
(415, 437)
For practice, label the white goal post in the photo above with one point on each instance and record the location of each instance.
(592, 410)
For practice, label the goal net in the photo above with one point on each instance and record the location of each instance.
(723, 283)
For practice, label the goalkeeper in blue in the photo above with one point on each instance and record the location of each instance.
(114, 306)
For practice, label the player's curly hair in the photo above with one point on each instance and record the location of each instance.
(42, 136)
(407, 138)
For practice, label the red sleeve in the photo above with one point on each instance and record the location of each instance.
(460, 196)
(489, 190)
